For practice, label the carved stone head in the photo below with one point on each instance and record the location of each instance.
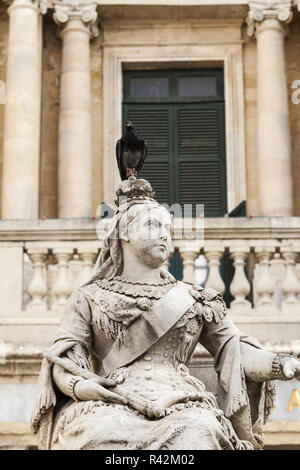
(141, 225)
(146, 234)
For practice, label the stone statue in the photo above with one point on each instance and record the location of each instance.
(116, 376)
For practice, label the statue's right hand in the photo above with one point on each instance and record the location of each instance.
(90, 390)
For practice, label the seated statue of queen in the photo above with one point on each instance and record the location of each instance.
(117, 377)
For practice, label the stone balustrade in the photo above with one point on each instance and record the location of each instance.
(263, 281)
(43, 261)
(56, 271)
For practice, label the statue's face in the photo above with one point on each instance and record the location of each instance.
(149, 235)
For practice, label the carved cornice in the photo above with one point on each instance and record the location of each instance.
(86, 11)
(260, 10)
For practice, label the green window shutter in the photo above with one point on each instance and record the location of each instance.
(201, 161)
(186, 161)
(152, 123)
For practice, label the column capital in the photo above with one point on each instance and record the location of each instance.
(261, 10)
(82, 11)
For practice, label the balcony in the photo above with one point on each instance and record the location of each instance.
(44, 260)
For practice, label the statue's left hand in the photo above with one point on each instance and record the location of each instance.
(96, 389)
(291, 368)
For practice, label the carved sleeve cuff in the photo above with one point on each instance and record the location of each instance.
(71, 385)
(277, 366)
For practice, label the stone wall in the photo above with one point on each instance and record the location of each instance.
(292, 48)
(185, 31)
(51, 71)
(51, 61)
(3, 58)
(251, 124)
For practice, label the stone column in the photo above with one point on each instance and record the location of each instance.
(21, 150)
(267, 20)
(75, 153)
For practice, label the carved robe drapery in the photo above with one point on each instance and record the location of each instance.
(99, 314)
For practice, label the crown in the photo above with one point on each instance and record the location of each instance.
(134, 189)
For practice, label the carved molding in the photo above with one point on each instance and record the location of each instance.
(260, 10)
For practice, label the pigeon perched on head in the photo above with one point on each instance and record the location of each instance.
(131, 152)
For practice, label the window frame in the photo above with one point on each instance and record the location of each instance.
(173, 103)
(173, 76)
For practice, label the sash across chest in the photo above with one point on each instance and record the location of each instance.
(150, 327)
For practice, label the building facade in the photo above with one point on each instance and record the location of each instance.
(213, 88)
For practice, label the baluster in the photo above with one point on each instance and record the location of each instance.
(62, 287)
(291, 284)
(240, 286)
(88, 259)
(37, 288)
(214, 279)
(277, 270)
(189, 252)
(75, 268)
(166, 264)
(265, 285)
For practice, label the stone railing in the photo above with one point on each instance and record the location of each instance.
(272, 277)
(43, 261)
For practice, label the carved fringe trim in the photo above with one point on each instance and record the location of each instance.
(78, 355)
(111, 328)
(46, 398)
(83, 408)
(228, 428)
(238, 401)
(270, 394)
(207, 401)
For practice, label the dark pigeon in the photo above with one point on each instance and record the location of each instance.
(131, 152)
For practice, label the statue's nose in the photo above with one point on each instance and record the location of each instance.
(164, 234)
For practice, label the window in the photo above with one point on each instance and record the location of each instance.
(197, 86)
(180, 114)
(149, 87)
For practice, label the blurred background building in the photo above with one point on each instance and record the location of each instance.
(213, 86)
